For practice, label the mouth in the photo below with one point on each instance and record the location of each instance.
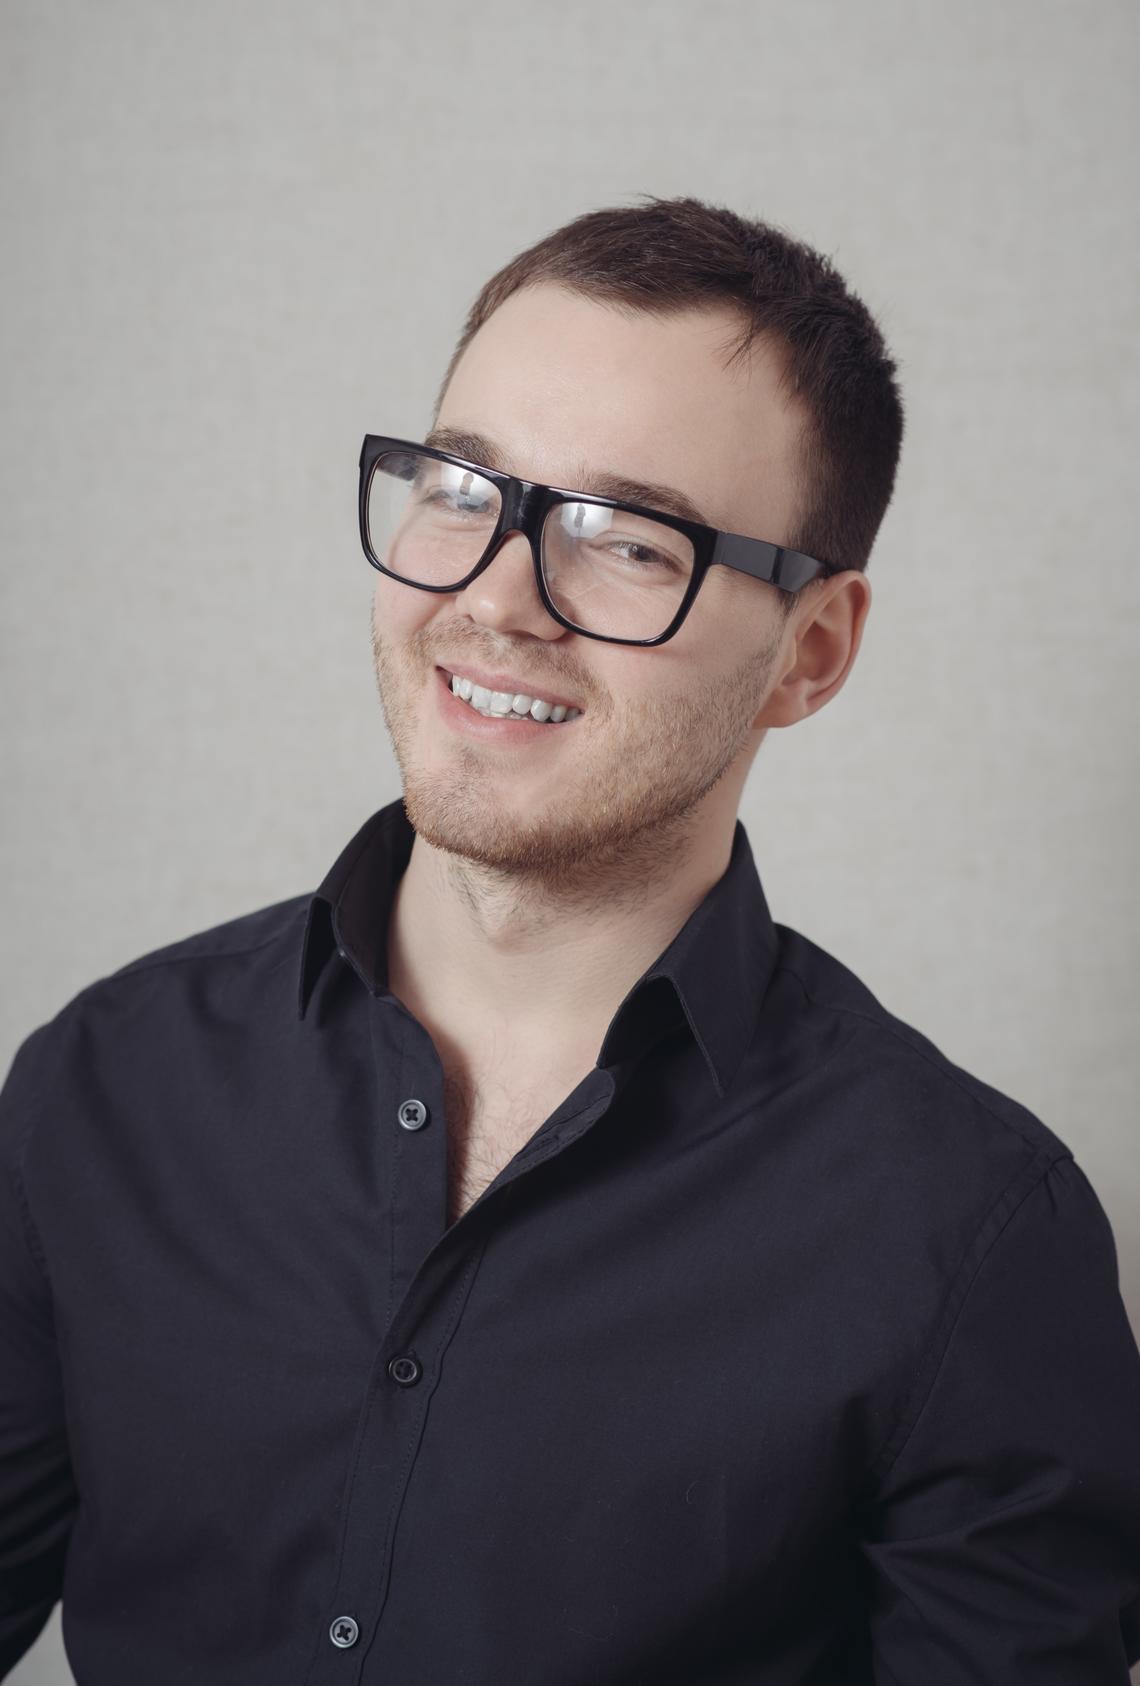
(518, 713)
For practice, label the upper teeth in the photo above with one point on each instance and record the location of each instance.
(510, 702)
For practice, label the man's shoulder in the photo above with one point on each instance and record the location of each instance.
(234, 938)
(897, 1075)
(248, 951)
(141, 1030)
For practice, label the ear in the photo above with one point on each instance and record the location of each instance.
(819, 647)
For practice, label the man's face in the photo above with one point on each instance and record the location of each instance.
(563, 384)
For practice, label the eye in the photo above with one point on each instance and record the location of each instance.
(459, 501)
(641, 555)
(613, 535)
(457, 491)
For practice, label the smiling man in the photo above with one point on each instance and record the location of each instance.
(522, 1259)
(555, 861)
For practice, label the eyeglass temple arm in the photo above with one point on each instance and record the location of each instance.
(787, 568)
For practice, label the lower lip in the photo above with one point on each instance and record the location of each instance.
(506, 728)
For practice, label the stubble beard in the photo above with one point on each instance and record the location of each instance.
(628, 802)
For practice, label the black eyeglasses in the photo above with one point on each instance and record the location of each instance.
(620, 572)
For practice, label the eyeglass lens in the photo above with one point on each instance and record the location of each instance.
(430, 523)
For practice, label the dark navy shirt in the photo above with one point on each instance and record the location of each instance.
(784, 1352)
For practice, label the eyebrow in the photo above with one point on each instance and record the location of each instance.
(477, 448)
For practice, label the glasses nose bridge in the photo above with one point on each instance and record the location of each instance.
(524, 508)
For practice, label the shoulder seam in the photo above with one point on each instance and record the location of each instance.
(942, 1069)
(1032, 1175)
(31, 1233)
(149, 963)
(14, 1171)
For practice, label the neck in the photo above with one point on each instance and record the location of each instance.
(503, 960)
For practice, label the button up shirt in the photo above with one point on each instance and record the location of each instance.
(784, 1352)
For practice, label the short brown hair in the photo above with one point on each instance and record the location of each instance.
(676, 254)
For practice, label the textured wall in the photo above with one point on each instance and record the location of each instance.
(238, 237)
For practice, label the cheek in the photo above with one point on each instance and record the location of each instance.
(398, 611)
(726, 633)
(643, 690)
(687, 662)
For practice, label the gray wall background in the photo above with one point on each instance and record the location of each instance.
(236, 237)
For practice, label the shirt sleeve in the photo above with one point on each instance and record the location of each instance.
(37, 1493)
(1003, 1539)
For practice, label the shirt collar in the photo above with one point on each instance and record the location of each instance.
(712, 975)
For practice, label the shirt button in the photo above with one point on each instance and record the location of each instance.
(344, 1632)
(413, 1115)
(405, 1369)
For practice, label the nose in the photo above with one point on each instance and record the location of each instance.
(505, 594)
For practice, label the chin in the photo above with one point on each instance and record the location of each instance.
(477, 826)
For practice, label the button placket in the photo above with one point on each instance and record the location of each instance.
(393, 1429)
(432, 1275)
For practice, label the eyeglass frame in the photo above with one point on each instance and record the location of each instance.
(525, 505)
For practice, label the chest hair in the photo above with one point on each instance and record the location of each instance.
(489, 1118)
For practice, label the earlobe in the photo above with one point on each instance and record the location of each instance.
(826, 633)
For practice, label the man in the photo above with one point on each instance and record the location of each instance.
(523, 1260)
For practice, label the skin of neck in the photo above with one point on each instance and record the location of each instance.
(518, 961)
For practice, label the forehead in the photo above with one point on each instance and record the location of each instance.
(560, 381)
